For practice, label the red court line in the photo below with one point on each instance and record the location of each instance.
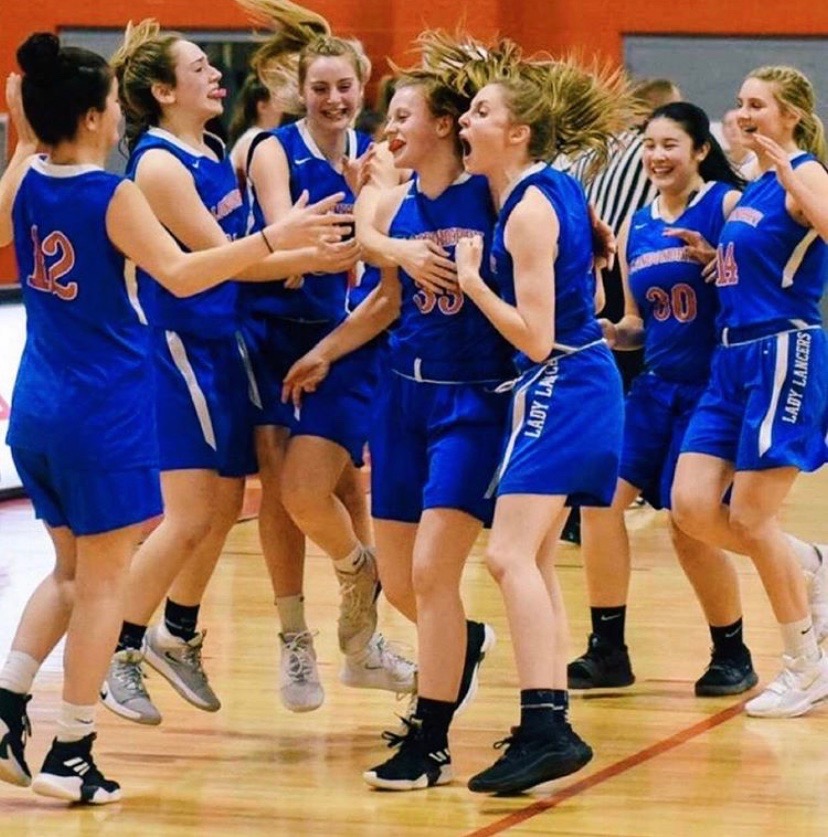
(609, 772)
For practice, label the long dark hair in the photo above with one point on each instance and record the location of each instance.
(695, 123)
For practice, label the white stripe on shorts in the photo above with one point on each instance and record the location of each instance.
(252, 387)
(518, 417)
(182, 363)
(779, 373)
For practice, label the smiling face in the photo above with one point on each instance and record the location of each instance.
(485, 130)
(197, 89)
(759, 112)
(332, 93)
(670, 160)
(412, 129)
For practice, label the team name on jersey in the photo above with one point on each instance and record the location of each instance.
(227, 205)
(539, 408)
(747, 215)
(799, 378)
(447, 237)
(669, 256)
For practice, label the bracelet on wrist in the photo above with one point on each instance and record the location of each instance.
(267, 243)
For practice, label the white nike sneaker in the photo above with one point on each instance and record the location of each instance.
(800, 685)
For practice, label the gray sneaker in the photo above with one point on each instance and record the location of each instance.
(180, 663)
(123, 690)
(299, 686)
(379, 666)
(358, 606)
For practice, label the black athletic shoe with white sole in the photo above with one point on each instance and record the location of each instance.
(414, 766)
(480, 639)
(69, 773)
(15, 730)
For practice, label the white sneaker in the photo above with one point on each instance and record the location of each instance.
(818, 593)
(299, 685)
(379, 666)
(799, 686)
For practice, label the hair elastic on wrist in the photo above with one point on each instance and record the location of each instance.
(267, 243)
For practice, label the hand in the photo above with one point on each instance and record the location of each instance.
(306, 225)
(358, 172)
(14, 101)
(304, 376)
(337, 257)
(469, 256)
(610, 333)
(604, 243)
(698, 248)
(294, 283)
(778, 157)
(427, 263)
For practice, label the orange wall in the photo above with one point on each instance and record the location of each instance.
(388, 26)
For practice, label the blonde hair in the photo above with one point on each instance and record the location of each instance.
(452, 69)
(300, 36)
(570, 108)
(143, 59)
(795, 94)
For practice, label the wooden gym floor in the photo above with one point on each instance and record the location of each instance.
(666, 762)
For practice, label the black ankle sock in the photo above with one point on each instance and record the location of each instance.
(436, 716)
(541, 710)
(132, 636)
(728, 640)
(181, 620)
(608, 624)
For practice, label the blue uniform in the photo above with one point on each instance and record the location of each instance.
(566, 419)
(204, 408)
(285, 323)
(679, 312)
(82, 428)
(439, 419)
(767, 402)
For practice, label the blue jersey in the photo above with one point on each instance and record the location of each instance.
(678, 307)
(447, 335)
(211, 313)
(84, 392)
(575, 323)
(770, 267)
(322, 298)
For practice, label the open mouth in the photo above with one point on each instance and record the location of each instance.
(395, 145)
(466, 146)
(749, 129)
(219, 93)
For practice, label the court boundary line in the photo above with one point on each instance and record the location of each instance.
(608, 772)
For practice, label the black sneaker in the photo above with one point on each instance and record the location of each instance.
(412, 767)
(480, 639)
(727, 676)
(532, 760)
(603, 666)
(15, 730)
(70, 773)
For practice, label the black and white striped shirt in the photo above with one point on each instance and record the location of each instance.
(621, 187)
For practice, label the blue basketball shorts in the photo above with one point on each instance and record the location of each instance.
(205, 398)
(340, 410)
(434, 446)
(88, 502)
(767, 404)
(655, 420)
(565, 429)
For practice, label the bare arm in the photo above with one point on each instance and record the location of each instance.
(628, 333)
(529, 326)
(807, 187)
(139, 235)
(19, 162)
